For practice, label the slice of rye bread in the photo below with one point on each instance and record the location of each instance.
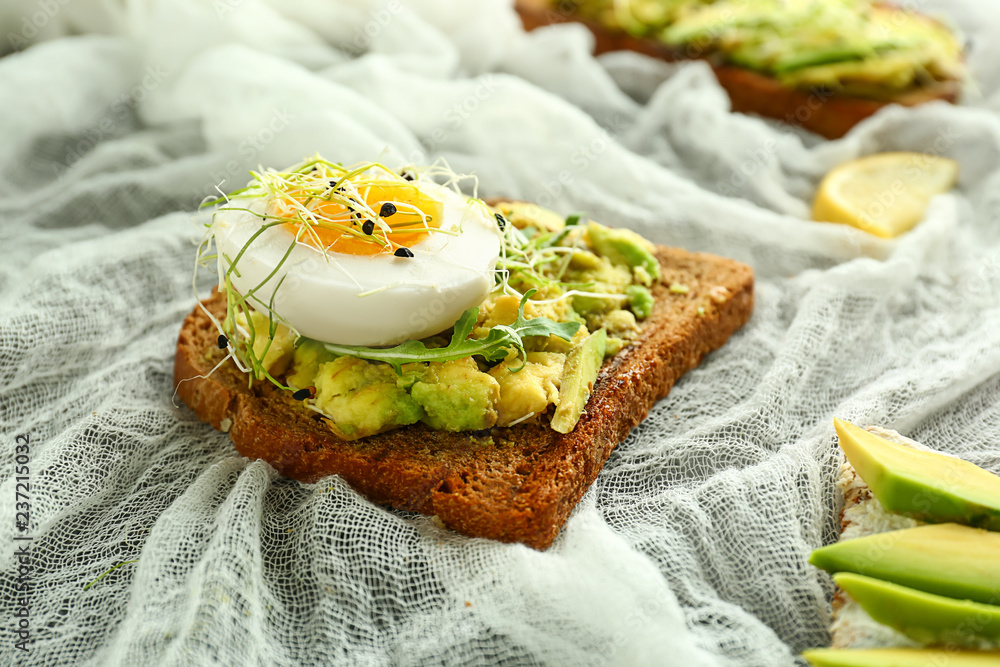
(515, 484)
(828, 114)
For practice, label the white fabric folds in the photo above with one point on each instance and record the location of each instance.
(119, 117)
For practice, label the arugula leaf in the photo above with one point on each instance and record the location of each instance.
(494, 347)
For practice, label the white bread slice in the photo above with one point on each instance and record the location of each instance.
(864, 515)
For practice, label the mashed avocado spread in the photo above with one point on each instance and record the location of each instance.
(858, 47)
(573, 294)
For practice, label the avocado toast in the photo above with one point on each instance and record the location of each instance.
(824, 66)
(514, 484)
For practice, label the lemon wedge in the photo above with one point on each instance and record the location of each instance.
(885, 194)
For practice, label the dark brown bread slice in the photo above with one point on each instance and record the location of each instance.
(826, 114)
(514, 484)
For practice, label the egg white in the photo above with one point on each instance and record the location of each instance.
(363, 300)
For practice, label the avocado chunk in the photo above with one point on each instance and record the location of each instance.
(924, 485)
(899, 657)
(363, 398)
(946, 559)
(306, 361)
(703, 26)
(640, 300)
(274, 350)
(923, 617)
(527, 388)
(624, 248)
(821, 56)
(604, 277)
(579, 374)
(456, 396)
(524, 214)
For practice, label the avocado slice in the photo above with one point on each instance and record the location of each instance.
(924, 485)
(623, 247)
(899, 657)
(582, 365)
(923, 617)
(824, 56)
(947, 559)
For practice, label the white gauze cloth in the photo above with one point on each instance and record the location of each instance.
(690, 549)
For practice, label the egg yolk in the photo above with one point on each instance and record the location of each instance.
(338, 229)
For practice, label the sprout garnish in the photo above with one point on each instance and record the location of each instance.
(296, 199)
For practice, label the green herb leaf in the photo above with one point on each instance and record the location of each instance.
(494, 347)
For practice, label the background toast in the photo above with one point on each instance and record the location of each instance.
(515, 484)
(830, 115)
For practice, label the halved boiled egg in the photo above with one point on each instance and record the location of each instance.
(360, 256)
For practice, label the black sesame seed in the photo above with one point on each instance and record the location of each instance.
(302, 394)
(333, 184)
(408, 175)
(501, 221)
(368, 227)
(223, 342)
(403, 251)
(387, 209)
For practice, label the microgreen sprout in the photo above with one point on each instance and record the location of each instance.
(109, 571)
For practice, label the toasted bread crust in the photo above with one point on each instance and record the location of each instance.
(826, 114)
(514, 484)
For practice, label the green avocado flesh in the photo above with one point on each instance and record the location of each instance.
(623, 247)
(900, 657)
(947, 559)
(924, 485)
(923, 617)
(582, 367)
(457, 397)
